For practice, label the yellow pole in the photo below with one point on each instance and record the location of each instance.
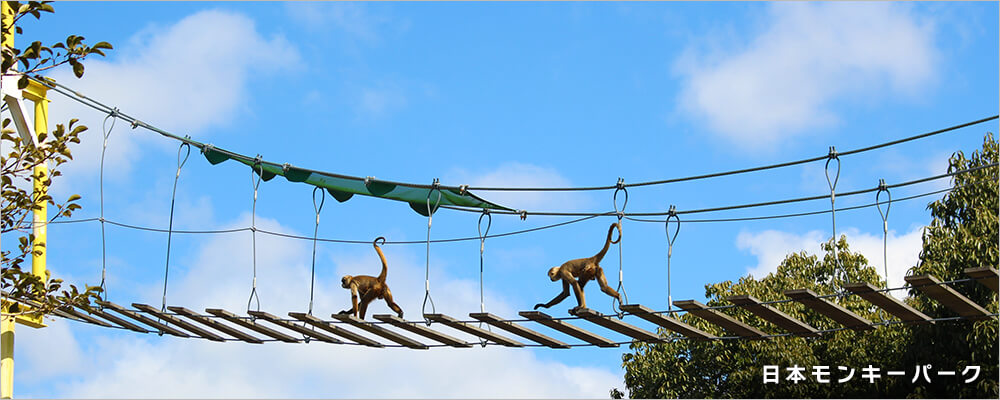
(7, 373)
(41, 175)
(6, 321)
(36, 93)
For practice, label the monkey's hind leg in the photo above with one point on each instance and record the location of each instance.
(392, 304)
(365, 300)
(603, 282)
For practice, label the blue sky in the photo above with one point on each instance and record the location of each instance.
(567, 94)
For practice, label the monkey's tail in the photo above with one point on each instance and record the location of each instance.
(608, 242)
(385, 265)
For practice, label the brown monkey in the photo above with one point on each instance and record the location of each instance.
(578, 272)
(369, 288)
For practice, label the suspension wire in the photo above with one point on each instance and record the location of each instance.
(104, 249)
(808, 213)
(620, 213)
(670, 249)
(482, 248)
(427, 274)
(317, 206)
(62, 89)
(742, 206)
(87, 101)
(170, 227)
(28, 225)
(833, 187)
(885, 225)
(753, 169)
(256, 174)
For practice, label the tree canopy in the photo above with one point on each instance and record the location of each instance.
(962, 234)
(18, 165)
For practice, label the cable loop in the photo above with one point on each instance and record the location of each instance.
(170, 226)
(435, 187)
(258, 170)
(885, 224)
(317, 207)
(113, 115)
(833, 187)
(482, 248)
(620, 213)
(672, 213)
(620, 188)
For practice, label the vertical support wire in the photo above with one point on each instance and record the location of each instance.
(256, 174)
(436, 187)
(104, 249)
(885, 235)
(186, 149)
(317, 206)
(672, 213)
(833, 187)
(885, 225)
(620, 213)
(482, 248)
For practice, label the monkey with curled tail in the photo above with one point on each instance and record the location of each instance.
(578, 272)
(369, 288)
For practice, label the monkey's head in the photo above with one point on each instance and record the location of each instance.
(554, 274)
(345, 282)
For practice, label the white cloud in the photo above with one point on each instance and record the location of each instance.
(787, 77)
(352, 18)
(515, 174)
(184, 78)
(127, 365)
(377, 101)
(771, 247)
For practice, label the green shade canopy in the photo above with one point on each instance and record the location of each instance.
(343, 187)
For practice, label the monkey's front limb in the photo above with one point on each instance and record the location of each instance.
(559, 297)
(354, 302)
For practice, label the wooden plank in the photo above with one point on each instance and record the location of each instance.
(204, 333)
(944, 294)
(116, 319)
(829, 309)
(81, 315)
(519, 330)
(37, 305)
(380, 331)
(988, 276)
(669, 323)
(473, 330)
(336, 330)
(888, 303)
(561, 326)
(228, 316)
(773, 315)
(617, 325)
(236, 333)
(726, 322)
(311, 334)
(142, 318)
(421, 330)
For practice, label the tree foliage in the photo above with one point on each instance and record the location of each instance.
(963, 234)
(18, 168)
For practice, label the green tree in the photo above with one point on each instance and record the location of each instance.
(19, 200)
(963, 234)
